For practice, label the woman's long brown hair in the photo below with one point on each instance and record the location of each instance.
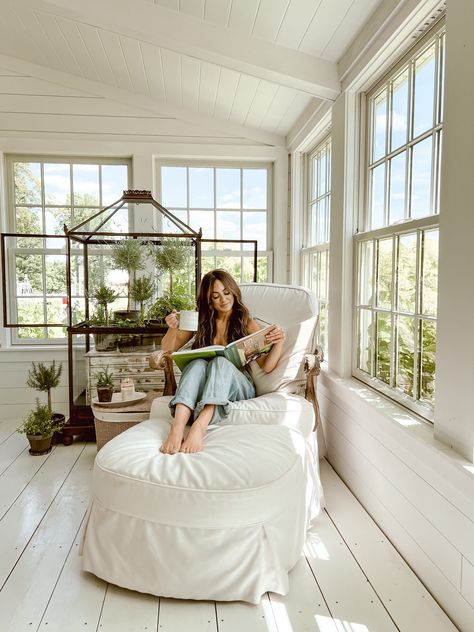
(239, 319)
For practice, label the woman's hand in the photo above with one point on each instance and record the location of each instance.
(172, 320)
(276, 335)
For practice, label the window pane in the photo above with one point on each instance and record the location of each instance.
(405, 353)
(29, 220)
(232, 265)
(314, 177)
(204, 220)
(424, 92)
(421, 178)
(228, 188)
(255, 188)
(27, 182)
(323, 275)
(174, 190)
(428, 361)
(365, 341)
(255, 227)
(378, 197)
(429, 296)
(30, 311)
(323, 326)
(313, 218)
(29, 274)
(399, 126)
(55, 266)
(114, 182)
(201, 187)
(407, 273)
(383, 347)
(57, 183)
(86, 184)
(384, 273)
(56, 313)
(397, 188)
(379, 126)
(322, 170)
(169, 227)
(227, 225)
(366, 257)
(55, 218)
(262, 269)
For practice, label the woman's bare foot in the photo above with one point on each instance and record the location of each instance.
(193, 442)
(172, 443)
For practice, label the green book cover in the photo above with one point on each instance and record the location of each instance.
(240, 352)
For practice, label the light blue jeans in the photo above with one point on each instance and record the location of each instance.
(217, 382)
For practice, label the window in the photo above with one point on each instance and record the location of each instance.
(227, 202)
(315, 252)
(397, 248)
(44, 195)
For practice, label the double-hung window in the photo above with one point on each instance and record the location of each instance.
(315, 251)
(229, 202)
(44, 193)
(397, 242)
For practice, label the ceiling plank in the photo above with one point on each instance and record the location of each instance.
(129, 97)
(187, 35)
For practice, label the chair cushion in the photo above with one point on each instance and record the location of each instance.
(288, 376)
(281, 409)
(291, 303)
(240, 478)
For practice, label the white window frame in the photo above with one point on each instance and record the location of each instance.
(10, 159)
(235, 164)
(309, 250)
(407, 225)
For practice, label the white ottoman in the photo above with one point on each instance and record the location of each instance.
(227, 523)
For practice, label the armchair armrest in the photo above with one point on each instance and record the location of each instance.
(312, 367)
(162, 360)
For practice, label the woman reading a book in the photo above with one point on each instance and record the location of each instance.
(207, 387)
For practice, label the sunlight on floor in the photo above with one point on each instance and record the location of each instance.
(315, 548)
(278, 610)
(326, 624)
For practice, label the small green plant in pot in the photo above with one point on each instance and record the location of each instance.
(103, 296)
(128, 255)
(44, 378)
(104, 385)
(142, 291)
(39, 427)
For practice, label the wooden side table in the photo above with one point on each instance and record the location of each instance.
(110, 421)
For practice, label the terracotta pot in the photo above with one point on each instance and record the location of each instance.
(104, 393)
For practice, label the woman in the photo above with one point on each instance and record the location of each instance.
(207, 387)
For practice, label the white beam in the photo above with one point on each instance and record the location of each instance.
(185, 34)
(206, 123)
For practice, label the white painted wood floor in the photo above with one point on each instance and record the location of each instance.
(351, 580)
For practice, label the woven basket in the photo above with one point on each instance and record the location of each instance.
(107, 430)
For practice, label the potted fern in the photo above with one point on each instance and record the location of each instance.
(39, 427)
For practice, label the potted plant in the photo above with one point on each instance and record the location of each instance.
(104, 385)
(104, 295)
(44, 378)
(142, 291)
(177, 299)
(128, 255)
(172, 256)
(39, 427)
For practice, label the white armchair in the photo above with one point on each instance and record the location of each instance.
(227, 523)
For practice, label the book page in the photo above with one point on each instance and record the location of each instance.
(249, 348)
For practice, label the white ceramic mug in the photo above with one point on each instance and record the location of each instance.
(188, 320)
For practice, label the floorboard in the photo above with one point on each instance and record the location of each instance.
(350, 579)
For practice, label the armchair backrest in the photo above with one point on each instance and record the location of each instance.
(284, 304)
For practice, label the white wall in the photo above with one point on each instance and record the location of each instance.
(407, 474)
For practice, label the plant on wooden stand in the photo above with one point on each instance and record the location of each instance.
(39, 427)
(104, 295)
(104, 385)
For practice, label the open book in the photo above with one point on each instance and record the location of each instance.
(240, 352)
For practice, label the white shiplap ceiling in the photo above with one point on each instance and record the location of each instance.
(238, 71)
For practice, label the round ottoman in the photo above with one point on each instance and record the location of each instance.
(227, 523)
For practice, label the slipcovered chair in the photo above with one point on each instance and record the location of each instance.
(227, 523)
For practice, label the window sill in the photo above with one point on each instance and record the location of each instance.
(406, 435)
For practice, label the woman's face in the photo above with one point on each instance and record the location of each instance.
(222, 299)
